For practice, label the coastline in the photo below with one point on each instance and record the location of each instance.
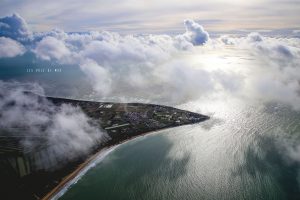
(81, 168)
(90, 162)
(121, 121)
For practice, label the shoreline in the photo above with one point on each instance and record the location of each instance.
(68, 180)
(121, 121)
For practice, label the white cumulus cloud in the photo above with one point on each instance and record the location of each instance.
(51, 48)
(10, 48)
(15, 27)
(195, 33)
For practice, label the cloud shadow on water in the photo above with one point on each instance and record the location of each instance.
(268, 165)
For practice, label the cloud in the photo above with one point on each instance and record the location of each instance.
(277, 49)
(51, 48)
(14, 27)
(229, 81)
(278, 77)
(65, 132)
(180, 82)
(110, 60)
(161, 69)
(195, 33)
(100, 77)
(113, 49)
(108, 48)
(10, 48)
(254, 37)
(227, 40)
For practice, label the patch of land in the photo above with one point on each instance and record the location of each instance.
(20, 179)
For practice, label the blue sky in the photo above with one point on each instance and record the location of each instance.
(137, 16)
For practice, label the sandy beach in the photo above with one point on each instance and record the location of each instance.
(73, 175)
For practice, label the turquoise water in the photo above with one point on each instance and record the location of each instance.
(244, 152)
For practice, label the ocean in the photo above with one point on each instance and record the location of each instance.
(244, 151)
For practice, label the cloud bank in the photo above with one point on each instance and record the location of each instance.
(278, 76)
(158, 68)
(114, 63)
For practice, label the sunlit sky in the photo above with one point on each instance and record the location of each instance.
(156, 15)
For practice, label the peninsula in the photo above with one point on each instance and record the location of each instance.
(121, 121)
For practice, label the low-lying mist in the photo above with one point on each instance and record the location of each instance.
(52, 134)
